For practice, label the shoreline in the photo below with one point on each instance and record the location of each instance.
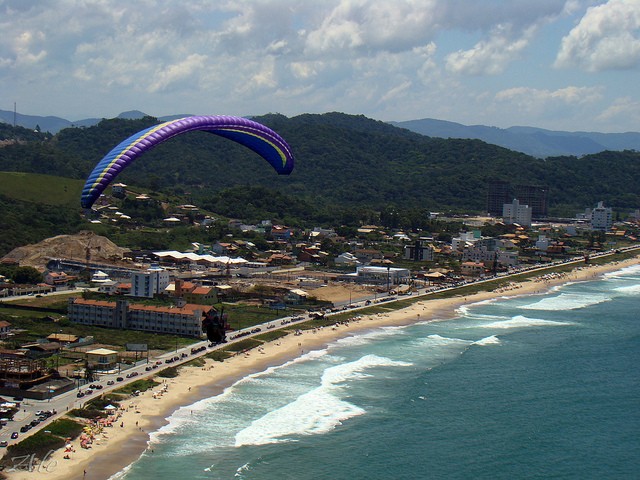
(145, 414)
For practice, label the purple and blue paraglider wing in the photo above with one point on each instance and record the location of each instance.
(262, 140)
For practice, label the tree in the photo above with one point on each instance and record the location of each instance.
(27, 275)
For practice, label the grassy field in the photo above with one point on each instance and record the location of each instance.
(38, 188)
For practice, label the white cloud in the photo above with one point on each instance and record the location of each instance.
(388, 59)
(565, 108)
(622, 108)
(524, 96)
(490, 57)
(177, 72)
(607, 37)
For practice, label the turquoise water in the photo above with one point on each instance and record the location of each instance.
(531, 387)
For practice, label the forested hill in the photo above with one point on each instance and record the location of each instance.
(341, 161)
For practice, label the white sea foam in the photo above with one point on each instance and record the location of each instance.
(188, 415)
(121, 474)
(567, 301)
(368, 337)
(440, 340)
(467, 309)
(520, 321)
(629, 290)
(317, 411)
(626, 273)
(492, 340)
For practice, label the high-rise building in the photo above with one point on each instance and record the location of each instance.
(149, 283)
(535, 196)
(501, 192)
(601, 218)
(515, 212)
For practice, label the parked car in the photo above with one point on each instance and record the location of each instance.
(14, 435)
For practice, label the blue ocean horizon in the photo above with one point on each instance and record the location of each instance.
(536, 386)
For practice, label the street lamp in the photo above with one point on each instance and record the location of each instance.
(388, 278)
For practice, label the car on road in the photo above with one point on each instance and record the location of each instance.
(119, 379)
(110, 382)
(80, 394)
(14, 435)
(4, 443)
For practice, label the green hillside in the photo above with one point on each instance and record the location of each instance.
(39, 188)
(349, 170)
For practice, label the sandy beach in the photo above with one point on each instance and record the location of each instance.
(119, 445)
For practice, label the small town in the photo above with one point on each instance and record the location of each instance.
(319, 240)
(102, 311)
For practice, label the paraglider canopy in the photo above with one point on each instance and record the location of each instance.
(249, 133)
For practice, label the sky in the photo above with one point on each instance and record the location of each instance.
(556, 64)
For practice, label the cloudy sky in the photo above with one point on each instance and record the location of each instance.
(557, 64)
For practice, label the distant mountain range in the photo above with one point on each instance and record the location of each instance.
(533, 141)
(55, 124)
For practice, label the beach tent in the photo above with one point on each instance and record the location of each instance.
(110, 407)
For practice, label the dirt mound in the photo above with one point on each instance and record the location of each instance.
(70, 247)
(342, 293)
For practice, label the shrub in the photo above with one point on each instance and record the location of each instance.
(141, 385)
(219, 355)
(242, 345)
(170, 372)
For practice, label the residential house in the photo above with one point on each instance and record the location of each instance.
(346, 258)
(280, 233)
(280, 259)
(418, 252)
(224, 248)
(5, 329)
(312, 254)
(295, 296)
(472, 269)
(102, 359)
(382, 275)
(366, 255)
(57, 278)
(63, 338)
(42, 349)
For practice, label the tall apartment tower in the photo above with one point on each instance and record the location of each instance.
(149, 283)
(601, 218)
(500, 192)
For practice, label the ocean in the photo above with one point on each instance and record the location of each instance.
(538, 386)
